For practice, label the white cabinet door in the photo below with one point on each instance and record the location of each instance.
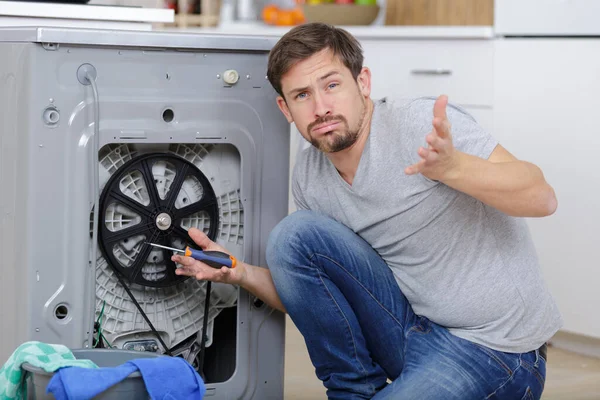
(547, 111)
(547, 17)
(461, 69)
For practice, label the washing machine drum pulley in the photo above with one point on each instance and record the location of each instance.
(153, 198)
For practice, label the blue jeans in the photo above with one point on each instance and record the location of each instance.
(361, 331)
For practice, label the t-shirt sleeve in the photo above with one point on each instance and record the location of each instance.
(467, 135)
(297, 194)
(299, 175)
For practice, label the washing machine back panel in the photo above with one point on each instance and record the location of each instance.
(15, 154)
(154, 89)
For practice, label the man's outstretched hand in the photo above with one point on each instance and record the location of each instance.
(203, 272)
(440, 158)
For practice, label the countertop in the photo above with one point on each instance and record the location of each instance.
(362, 32)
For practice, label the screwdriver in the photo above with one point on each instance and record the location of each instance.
(215, 259)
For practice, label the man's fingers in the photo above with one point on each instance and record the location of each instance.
(185, 261)
(439, 108)
(201, 271)
(442, 127)
(214, 275)
(187, 271)
(199, 237)
(434, 141)
(415, 168)
(428, 155)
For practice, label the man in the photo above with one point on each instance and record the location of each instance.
(408, 260)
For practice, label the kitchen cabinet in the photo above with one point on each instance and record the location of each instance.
(546, 18)
(462, 69)
(546, 111)
(418, 67)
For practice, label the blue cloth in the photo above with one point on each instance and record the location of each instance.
(361, 329)
(166, 378)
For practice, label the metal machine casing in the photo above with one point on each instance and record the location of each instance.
(46, 192)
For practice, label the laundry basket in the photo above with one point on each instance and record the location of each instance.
(131, 388)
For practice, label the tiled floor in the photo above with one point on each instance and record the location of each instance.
(569, 376)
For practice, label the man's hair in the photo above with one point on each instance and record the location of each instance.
(305, 40)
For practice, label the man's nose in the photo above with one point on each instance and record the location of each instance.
(322, 106)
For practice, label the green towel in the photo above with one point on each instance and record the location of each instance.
(48, 357)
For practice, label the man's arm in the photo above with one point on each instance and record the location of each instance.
(258, 281)
(515, 187)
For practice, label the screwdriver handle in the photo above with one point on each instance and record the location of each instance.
(215, 259)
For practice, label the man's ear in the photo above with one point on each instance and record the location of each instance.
(364, 81)
(284, 109)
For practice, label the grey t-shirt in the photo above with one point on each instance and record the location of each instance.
(460, 263)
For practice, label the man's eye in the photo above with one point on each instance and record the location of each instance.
(332, 85)
(301, 95)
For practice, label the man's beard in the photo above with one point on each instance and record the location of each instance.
(341, 138)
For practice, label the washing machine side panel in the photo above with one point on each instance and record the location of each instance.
(268, 328)
(60, 188)
(15, 155)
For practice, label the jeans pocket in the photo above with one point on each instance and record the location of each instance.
(528, 394)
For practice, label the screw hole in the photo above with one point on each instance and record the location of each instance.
(61, 312)
(168, 115)
(53, 116)
(168, 76)
(258, 303)
(184, 199)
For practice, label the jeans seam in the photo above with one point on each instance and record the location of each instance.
(361, 285)
(347, 324)
(532, 369)
(510, 378)
(497, 359)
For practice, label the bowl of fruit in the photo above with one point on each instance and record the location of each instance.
(341, 12)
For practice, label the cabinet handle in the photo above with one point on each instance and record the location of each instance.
(438, 71)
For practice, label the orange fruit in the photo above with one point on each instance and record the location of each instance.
(285, 18)
(270, 14)
(298, 15)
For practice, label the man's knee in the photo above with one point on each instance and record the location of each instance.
(297, 235)
(287, 236)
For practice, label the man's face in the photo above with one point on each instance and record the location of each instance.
(325, 102)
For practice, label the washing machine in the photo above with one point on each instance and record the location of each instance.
(111, 140)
